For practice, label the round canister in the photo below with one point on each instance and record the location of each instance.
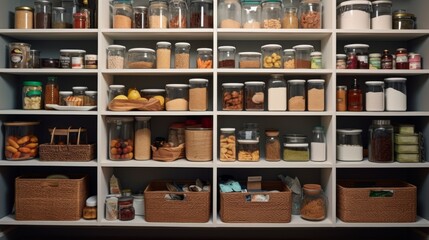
(199, 144)
(354, 15)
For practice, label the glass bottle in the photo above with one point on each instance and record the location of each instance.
(158, 14)
(42, 14)
(277, 93)
(142, 138)
(354, 98)
(318, 145)
(51, 92)
(58, 17)
(122, 14)
(121, 138)
(251, 13)
(386, 60)
(272, 145)
(272, 13)
(380, 148)
(229, 14)
(201, 14)
(310, 14)
(314, 203)
(177, 14)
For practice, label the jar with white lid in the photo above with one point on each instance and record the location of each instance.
(181, 55)
(141, 58)
(163, 55)
(254, 93)
(250, 59)
(316, 60)
(177, 97)
(158, 14)
(381, 16)
(77, 59)
(357, 56)
(272, 14)
(289, 58)
(248, 146)
(310, 14)
(349, 145)
(271, 56)
(251, 13)
(341, 61)
(229, 14)
(277, 93)
(116, 56)
(227, 144)
(396, 94)
(354, 15)
(204, 58)
(316, 95)
(374, 96)
(198, 94)
(116, 90)
(303, 56)
(90, 98)
(158, 94)
(138, 204)
(232, 96)
(226, 57)
(296, 95)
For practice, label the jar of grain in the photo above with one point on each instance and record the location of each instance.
(21, 143)
(177, 96)
(272, 145)
(232, 96)
(277, 93)
(227, 144)
(289, 58)
(316, 95)
(115, 56)
(374, 97)
(121, 138)
(177, 14)
(272, 14)
(122, 14)
(158, 94)
(314, 204)
(204, 58)
(303, 56)
(116, 90)
(251, 13)
(32, 95)
(198, 94)
(42, 14)
(310, 14)
(250, 59)
(163, 55)
(229, 14)
(181, 55)
(24, 17)
(255, 97)
(158, 14)
(58, 17)
(141, 58)
(349, 145)
(290, 17)
(226, 57)
(141, 18)
(142, 138)
(199, 144)
(272, 56)
(296, 95)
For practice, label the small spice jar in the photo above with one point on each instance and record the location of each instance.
(126, 209)
(248, 146)
(154, 93)
(249, 59)
(32, 95)
(296, 152)
(116, 90)
(227, 144)
(177, 96)
(357, 56)
(374, 96)
(163, 55)
(232, 96)
(142, 138)
(90, 98)
(403, 20)
(402, 59)
(77, 59)
(122, 14)
(415, 61)
(341, 61)
(272, 145)
(90, 209)
(177, 14)
(229, 14)
(21, 143)
(374, 61)
(314, 203)
(380, 147)
(290, 18)
(272, 56)
(289, 58)
(141, 19)
(381, 16)
(198, 94)
(63, 95)
(42, 14)
(349, 145)
(138, 204)
(226, 57)
(181, 55)
(296, 95)
(316, 95)
(272, 14)
(121, 138)
(396, 94)
(24, 17)
(316, 60)
(91, 61)
(141, 58)
(158, 14)
(254, 93)
(277, 93)
(201, 12)
(19, 55)
(303, 56)
(204, 58)
(251, 13)
(115, 56)
(310, 14)
(341, 98)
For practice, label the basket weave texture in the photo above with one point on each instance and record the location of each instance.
(235, 208)
(194, 208)
(38, 198)
(354, 203)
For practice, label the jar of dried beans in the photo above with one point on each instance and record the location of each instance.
(177, 14)
(272, 13)
(232, 96)
(310, 14)
(163, 55)
(314, 203)
(380, 142)
(115, 56)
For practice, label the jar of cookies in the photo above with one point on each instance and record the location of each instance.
(227, 145)
(232, 96)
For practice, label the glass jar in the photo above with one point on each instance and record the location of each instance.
(296, 152)
(349, 145)
(251, 13)
(232, 96)
(177, 14)
(122, 14)
(90, 98)
(79, 96)
(115, 56)
(177, 96)
(248, 146)
(316, 95)
(318, 145)
(19, 55)
(51, 92)
(272, 56)
(386, 60)
(357, 56)
(126, 211)
(58, 17)
(381, 16)
(227, 144)
(374, 61)
(289, 59)
(380, 147)
(226, 57)
(272, 145)
(63, 96)
(272, 14)
(354, 98)
(89, 212)
(290, 18)
(24, 17)
(138, 204)
(142, 138)
(158, 14)
(32, 95)
(77, 57)
(415, 61)
(374, 96)
(354, 15)
(294, 138)
(91, 61)
(310, 14)
(314, 204)
(50, 62)
(402, 59)
(79, 20)
(181, 55)
(34, 59)
(42, 14)
(65, 58)
(341, 98)
(249, 59)
(163, 55)
(277, 93)
(198, 94)
(303, 56)
(229, 14)
(254, 95)
(158, 94)
(204, 58)
(403, 20)
(141, 58)
(121, 138)
(396, 94)
(20, 141)
(201, 14)
(341, 61)
(141, 18)
(296, 95)
(316, 60)
(116, 90)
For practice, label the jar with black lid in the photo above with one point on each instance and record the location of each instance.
(42, 14)
(380, 142)
(140, 17)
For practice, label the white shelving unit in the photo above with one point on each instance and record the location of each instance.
(137, 174)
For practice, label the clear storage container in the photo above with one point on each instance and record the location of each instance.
(233, 95)
(115, 56)
(318, 145)
(116, 90)
(201, 14)
(79, 20)
(19, 54)
(42, 14)
(163, 55)
(249, 59)
(63, 97)
(396, 94)
(272, 56)
(290, 18)
(289, 59)
(314, 204)
(272, 14)
(381, 16)
(90, 98)
(296, 95)
(226, 57)
(248, 145)
(181, 55)
(21, 142)
(251, 13)
(310, 14)
(122, 13)
(58, 17)
(277, 93)
(158, 94)
(255, 97)
(78, 96)
(177, 97)
(227, 145)
(121, 138)
(374, 96)
(229, 14)
(316, 95)
(141, 18)
(316, 60)
(403, 20)
(357, 56)
(198, 94)
(141, 58)
(158, 14)
(303, 56)
(204, 58)
(32, 95)
(142, 138)
(272, 145)
(380, 147)
(296, 152)
(199, 144)
(349, 145)
(354, 15)
(178, 14)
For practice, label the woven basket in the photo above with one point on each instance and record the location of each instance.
(235, 208)
(39, 198)
(68, 151)
(356, 201)
(199, 144)
(195, 207)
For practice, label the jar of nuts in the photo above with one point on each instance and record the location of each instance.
(121, 138)
(232, 96)
(272, 56)
(227, 145)
(21, 143)
(310, 14)
(272, 13)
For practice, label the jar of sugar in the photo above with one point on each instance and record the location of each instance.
(396, 94)
(354, 15)
(349, 145)
(381, 16)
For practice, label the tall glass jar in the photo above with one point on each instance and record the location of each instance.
(229, 14)
(121, 138)
(341, 61)
(79, 96)
(374, 97)
(272, 145)
(272, 13)
(204, 58)
(254, 95)
(32, 95)
(381, 16)
(198, 94)
(310, 14)
(142, 138)
(227, 145)
(316, 60)
(341, 98)
(314, 204)
(396, 94)
(318, 145)
(42, 14)
(277, 93)
(122, 14)
(58, 17)
(24, 17)
(290, 17)
(116, 57)
(177, 14)
(116, 90)
(226, 57)
(251, 14)
(380, 147)
(158, 14)
(316, 95)
(303, 56)
(181, 55)
(51, 92)
(141, 18)
(248, 145)
(163, 55)
(201, 14)
(296, 95)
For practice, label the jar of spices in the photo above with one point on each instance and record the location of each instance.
(296, 95)
(341, 98)
(19, 135)
(251, 14)
(177, 14)
(51, 92)
(296, 152)
(316, 95)
(232, 96)
(318, 145)
(90, 209)
(177, 96)
(289, 59)
(204, 58)
(158, 14)
(24, 17)
(381, 16)
(272, 145)
(341, 61)
(142, 138)
(181, 55)
(254, 95)
(403, 20)
(374, 96)
(415, 61)
(303, 56)
(396, 94)
(402, 59)
(277, 93)
(249, 59)
(42, 14)
(229, 14)
(380, 147)
(201, 14)
(227, 145)
(32, 95)
(354, 98)
(290, 18)
(154, 93)
(357, 56)
(115, 56)
(374, 61)
(141, 58)
(349, 145)
(316, 60)
(122, 14)
(90, 98)
(91, 61)
(310, 14)
(63, 95)
(198, 94)
(19, 55)
(79, 94)
(79, 20)
(141, 18)
(126, 209)
(116, 90)
(271, 56)
(248, 146)
(314, 204)
(163, 55)
(121, 138)
(226, 57)
(386, 60)
(272, 14)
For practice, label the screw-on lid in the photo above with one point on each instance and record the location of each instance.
(91, 201)
(341, 55)
(141, 50)
(204, 50)
(374, 55)
(354, 2)
(182, 44)
(316, 54)
(198, 80)
(303, 47)
(232, 84)
(114, 87)
(24, 8)
(356, 45)
(32, 83)
(381, 122)
(315, 80)
(111, 47)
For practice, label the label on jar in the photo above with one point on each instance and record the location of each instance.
(65, 62)
(401, 58)
(16, 55)
(77, 62)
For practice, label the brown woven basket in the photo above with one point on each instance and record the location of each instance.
(199, 144)
(357, 201)
(39, 198)
(235, 208)
(68, 151)
(168, 154)
(195, 207)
